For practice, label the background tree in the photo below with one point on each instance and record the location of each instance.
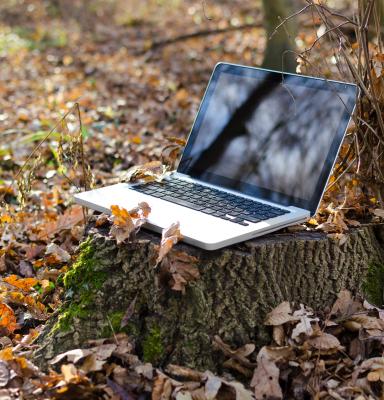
(281, 42)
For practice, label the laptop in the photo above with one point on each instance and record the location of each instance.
(258, 158)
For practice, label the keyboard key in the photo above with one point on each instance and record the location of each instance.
(239, 221)
(208, 210)
(183, 203)
(249, 218)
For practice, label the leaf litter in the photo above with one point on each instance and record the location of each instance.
(40, 228)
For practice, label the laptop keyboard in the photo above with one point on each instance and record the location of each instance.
(210, 201)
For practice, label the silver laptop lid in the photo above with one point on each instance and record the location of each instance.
(269, 134)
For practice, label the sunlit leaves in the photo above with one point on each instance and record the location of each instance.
(149, 172)
(7, 319)
(126, 223)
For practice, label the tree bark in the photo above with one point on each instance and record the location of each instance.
(280, 44)
(237, 286)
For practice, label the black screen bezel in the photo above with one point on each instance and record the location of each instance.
(255, 191)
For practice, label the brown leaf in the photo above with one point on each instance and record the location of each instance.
(345, 305)
(280, 315)
(102, 219)
(149, 172)
(324, 341)
(182, 268)
(170, 236)
(278, 334)
(235, 354)
(265, 378)
(184, 372)
(379, 212)
(162, 388)
(60, 254)
(4, 374)
(126, 223)
(67, 221)
(73, 356)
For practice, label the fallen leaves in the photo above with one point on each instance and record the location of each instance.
(71, 217)
(379, 212)
(153, 171)
(7, 319)
(24, 284)
(127, 223)
(60, 255)
(265, 379)
(311, 350)
(169, 237)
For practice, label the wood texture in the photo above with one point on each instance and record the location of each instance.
(237, 287)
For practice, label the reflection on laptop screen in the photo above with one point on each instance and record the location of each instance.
(271, 131)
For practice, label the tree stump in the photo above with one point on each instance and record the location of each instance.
(237, 286)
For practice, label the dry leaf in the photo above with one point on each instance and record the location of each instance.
(183, 269)
(280, 315)
(212, 386)
(324, 341)
(278, 334)
(169, 237)
(69, 372)
(379, 212)
(126, 223)
(67, 221)
(72, 356)
(265, 378)
(60, 254)
(345, 305)
(149, 172)
(7, 318)
(304, 326)
(24, 284)
(4, 374)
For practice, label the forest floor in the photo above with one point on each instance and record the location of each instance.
(138, 79)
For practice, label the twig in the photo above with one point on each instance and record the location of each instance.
(232, 354)
(206, 32)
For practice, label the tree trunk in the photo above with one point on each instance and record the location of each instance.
(280, 43)
(237, 286)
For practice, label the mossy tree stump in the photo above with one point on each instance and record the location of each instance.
(238, 285)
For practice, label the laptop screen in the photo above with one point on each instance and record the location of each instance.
(268, 134)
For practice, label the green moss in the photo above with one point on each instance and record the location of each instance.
(373, 286)
(153, 347)
(113, 322)
(81, 283)
(82, 275)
